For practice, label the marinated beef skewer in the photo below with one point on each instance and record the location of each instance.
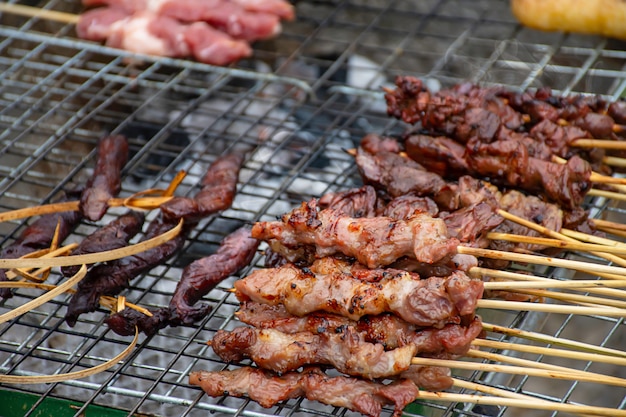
(465, 203)
(197, 279)
(111, 236)
(434, 301)
(217, 193)
(281, 352)
(39, 235)
(268, 389)
(106, 181)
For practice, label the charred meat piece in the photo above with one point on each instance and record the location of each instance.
(281, 352)
(218, 189)
(451, 341)
(197, 279)
(113, 235)
(266, 388)
(375, 241)
(429, 302)
(106, 180)
(39, 235)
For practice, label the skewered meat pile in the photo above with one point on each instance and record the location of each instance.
(361, 280)
(215, 32)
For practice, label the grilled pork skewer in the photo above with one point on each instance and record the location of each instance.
(197, 279)
(280, 352)
(425, 302)
(268, 389)
(451, 341)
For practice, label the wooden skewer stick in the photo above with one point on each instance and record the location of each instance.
(527, 364)
(521, 403)
(543, 338)
(521, 370)
(551, 308)
(585, 237)
(614, 161)
(610, 225)
(599, 143)
(543, 260)
(530, 281)
(554, 234)
(497, 392)
(607, 194)
(580, 299)
(29, 11)
(560, 353)
(557, 243)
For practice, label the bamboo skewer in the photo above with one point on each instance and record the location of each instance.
(29, 11)
(584, 237)
(551, 308)
(580, 299)
(521, 403)
(544, 230)
(606, 194)
(614, 161)
(543, 260)
(570, 374)
(525, 363)
(599, 143)
(560, 353)
(543, 338)
(557, 243)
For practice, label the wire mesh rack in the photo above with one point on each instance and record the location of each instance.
(293, 108)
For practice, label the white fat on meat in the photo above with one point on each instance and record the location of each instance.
(148, 34)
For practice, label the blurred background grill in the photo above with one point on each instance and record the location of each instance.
(304, 98)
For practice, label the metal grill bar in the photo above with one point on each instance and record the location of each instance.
(293, 109)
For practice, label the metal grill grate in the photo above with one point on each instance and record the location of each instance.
(306, 96)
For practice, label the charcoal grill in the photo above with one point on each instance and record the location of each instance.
(308, 95)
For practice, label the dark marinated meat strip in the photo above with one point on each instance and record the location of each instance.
(112, 277)
(197, 279)
(39, 235)
(365, 397)
(374, 242)
(113, 235)
(471, 224)
(439, 155)
(218, 189)
(407, 206)
(106, 180)
(281, 352)
(398, 176)
(429, 302)
(452, 340)
(509, 164)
